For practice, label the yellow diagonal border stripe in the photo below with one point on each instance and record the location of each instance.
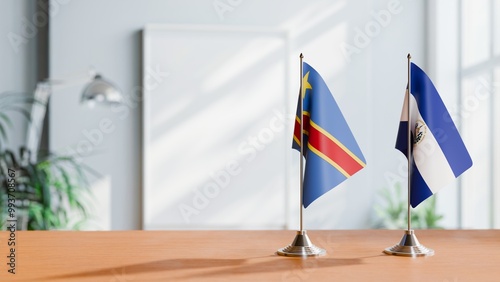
(305, 113)
(324, 132)
(327, 159)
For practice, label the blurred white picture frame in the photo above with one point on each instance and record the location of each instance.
(216, 127)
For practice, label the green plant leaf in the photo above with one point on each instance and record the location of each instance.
(392, 212)
(52, 188)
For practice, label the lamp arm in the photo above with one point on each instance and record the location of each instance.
(57, 83)
(38, 110)
(98, 88)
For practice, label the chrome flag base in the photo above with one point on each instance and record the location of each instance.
(409, 247)
(301, 247)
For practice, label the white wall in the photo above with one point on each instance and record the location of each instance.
(468, 87)
(368, 86)
(17, 57)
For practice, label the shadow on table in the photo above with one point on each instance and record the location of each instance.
(154, 266)
(223, 267)
(290, 267)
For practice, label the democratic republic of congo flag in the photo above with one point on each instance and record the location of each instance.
(331, 152)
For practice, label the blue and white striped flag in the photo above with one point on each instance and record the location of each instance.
(439, 154)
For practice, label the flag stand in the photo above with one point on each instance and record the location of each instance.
(301, 245)
(409, 245)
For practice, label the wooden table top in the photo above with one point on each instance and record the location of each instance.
(352, 255)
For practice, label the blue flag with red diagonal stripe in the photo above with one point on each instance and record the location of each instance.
(331, 152)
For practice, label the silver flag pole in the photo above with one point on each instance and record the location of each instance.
(409, 245)
(301, 245)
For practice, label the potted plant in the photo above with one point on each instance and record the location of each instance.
(48, 192)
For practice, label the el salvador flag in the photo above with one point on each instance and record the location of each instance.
(439, 154)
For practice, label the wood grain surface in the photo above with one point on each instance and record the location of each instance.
(352, 255)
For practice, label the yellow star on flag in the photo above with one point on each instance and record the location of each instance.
(305, 84)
